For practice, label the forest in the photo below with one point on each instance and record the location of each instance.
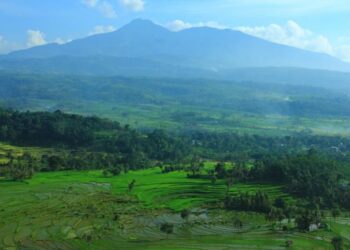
(311, 170)
(177, 104)
(309, 166)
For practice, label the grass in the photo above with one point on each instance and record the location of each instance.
(156, 190)
(77, 210)
(213, 119)
(5, 149)
(180, 104)
(171, 116)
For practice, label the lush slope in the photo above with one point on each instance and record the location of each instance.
(118, 207)
(183, 104)
(93, 143)
(79, 210)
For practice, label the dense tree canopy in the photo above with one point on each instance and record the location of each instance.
(308, 166)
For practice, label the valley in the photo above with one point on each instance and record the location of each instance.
(103, 185)
(185, 104)
(124, 133)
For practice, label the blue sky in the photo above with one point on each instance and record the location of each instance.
(321, 26)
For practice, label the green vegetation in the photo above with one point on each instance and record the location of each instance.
(184, 105)
(79, 209)
(73, 182)
(235, 159)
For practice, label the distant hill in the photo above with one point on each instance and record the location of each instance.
(199, 78)
(144, 48)
(179, 104)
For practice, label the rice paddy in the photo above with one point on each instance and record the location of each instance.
(85, 210)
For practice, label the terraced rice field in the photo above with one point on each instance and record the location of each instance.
(5, 149)
(84, 210)
(156, 190)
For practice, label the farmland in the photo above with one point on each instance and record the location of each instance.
(79, 210)
(75, 182)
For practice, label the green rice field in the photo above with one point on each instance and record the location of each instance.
(85, 210)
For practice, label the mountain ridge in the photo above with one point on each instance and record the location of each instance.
(202, 47)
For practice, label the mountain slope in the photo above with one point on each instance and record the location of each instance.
(202, 48)
(182, 104)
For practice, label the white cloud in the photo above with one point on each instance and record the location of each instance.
(178, 25)
(291, 34)
(134, 5)
(99, 29)
(62, 41)
(343, 52)
(107, 9)
(104, 7)
(35, 38)
(6, 46)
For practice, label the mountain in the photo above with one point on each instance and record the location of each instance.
(142, 47)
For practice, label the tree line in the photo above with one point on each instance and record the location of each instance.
(85, 143)
(308, 166)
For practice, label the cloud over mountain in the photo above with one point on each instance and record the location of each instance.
(291, 34)
(178, 25)
(100, 29)
(210, 49)
(35, 38)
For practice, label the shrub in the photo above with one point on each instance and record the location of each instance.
(167, 228)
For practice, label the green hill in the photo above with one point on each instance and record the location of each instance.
(180, 104)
